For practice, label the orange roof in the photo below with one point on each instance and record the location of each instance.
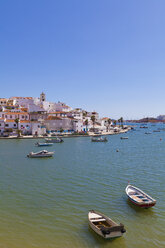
(57, 112)
(25, 121)
(53, 118)
(9, 120)
(24, 109)
(20, 97)
(15, 113)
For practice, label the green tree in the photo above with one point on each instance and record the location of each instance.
(86, 124)
(121, 121)
(109, 123)
(93, 119)
(18, 131)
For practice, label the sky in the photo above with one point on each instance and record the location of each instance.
(100, 55)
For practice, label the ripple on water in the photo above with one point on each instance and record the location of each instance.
(44, 203)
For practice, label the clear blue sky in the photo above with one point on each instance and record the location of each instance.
(103, 55)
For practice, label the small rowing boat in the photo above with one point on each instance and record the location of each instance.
(99, 139)
(104, 226)
(139, 198)
(41, 154)
(43, 144)
(54, 140)
(123, 137)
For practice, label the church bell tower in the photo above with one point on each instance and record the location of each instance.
(42, 97)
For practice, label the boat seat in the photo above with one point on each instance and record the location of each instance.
(96, 220)
(136, 198)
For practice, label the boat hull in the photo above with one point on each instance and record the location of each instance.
(40, 156)
(109, 236)
(141, 205)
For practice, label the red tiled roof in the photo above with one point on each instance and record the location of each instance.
(15, 113)
(53, 118)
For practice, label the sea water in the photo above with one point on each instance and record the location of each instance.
(44, 203)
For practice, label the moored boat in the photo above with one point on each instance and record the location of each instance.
(123, 137)
(40, 154)
(43, 144)
(138, 197)
(104, 226)
(99, 139)
(54, 140)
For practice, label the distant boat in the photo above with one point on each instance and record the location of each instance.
(54, 140)
(41, 154)
(104, 226)
(156, 131)
(147, 132)
(143, 127)
(123, 137)
(43, 144)
(139, 198)
(99, 139)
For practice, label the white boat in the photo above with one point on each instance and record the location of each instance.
(138, 197)
(40, 154)
(104, 226)
(99, 139)
(43, 144)
(54, 140)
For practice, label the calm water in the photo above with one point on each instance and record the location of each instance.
(44, 202)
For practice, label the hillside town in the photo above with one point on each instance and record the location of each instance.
(38, 117)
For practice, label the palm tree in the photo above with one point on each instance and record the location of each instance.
(93, 119)
(114, 122)
(121, 120)
(86, 123)
(109, 123)
(18, 131)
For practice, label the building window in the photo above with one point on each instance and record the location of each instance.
(14, 125)
(6, 125)
(23, 116)
(10, 116)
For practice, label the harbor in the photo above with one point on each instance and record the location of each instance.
(45, 202)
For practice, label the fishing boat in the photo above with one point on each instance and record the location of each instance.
(43, 144)
(123, 137)
(54, 140)
(40, 154)
(139, 198)
(104, 226)
(99, 139)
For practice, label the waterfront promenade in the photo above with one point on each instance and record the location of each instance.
(112, 132)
